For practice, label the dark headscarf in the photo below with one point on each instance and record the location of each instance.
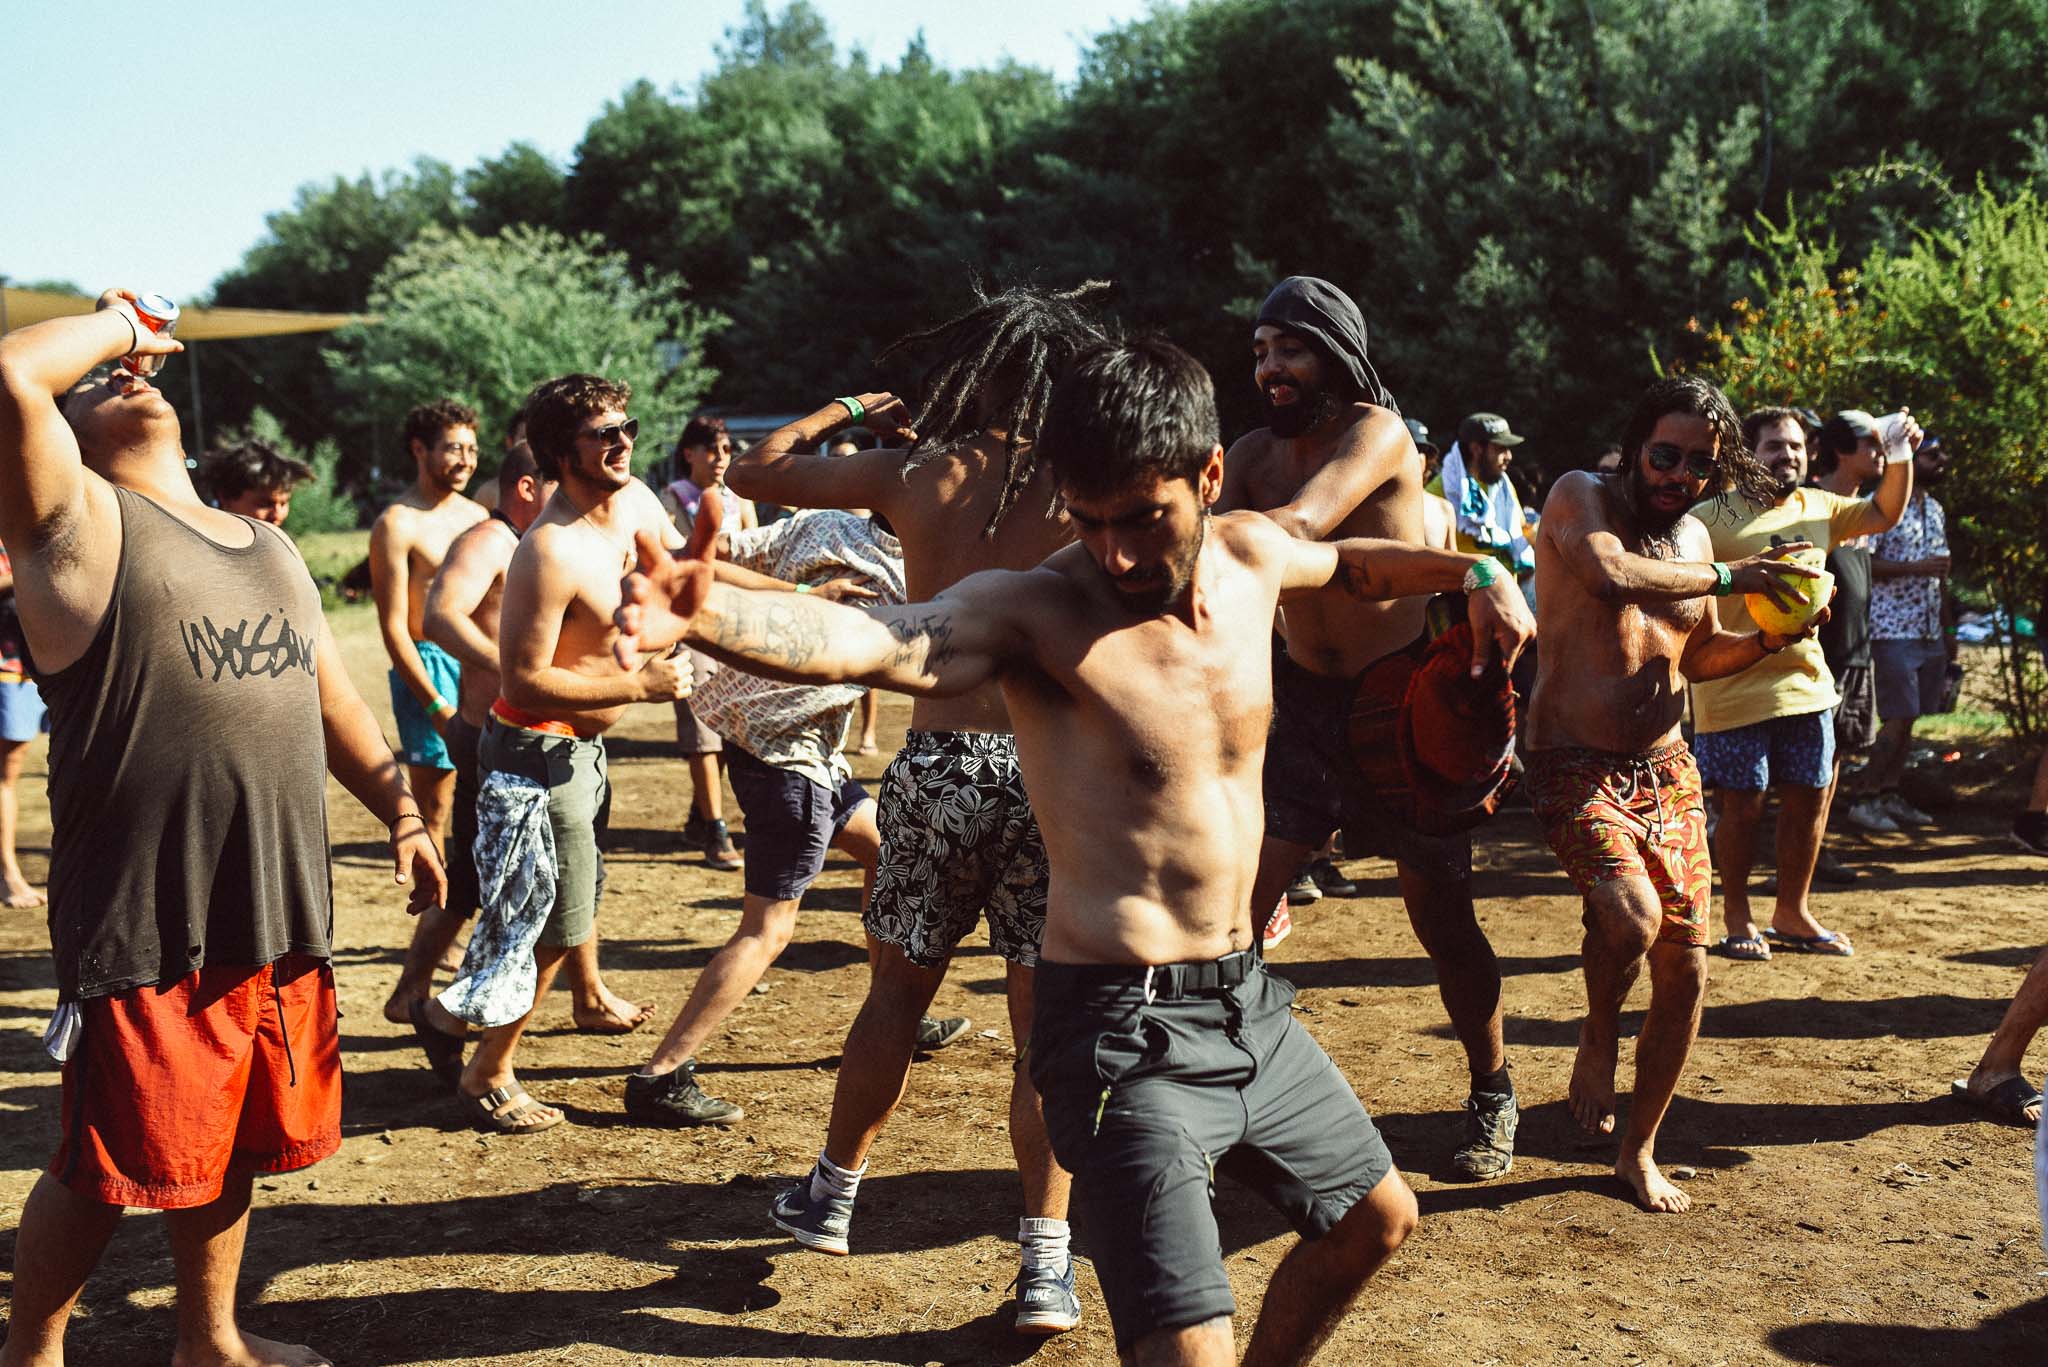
(1318, 310)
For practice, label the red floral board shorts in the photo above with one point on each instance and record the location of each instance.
(171, 1086)
(1611, 816)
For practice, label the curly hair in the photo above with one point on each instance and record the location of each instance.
(556, 408)
(995, 367)
(428, 421)
(1736, 470)
(231, 471)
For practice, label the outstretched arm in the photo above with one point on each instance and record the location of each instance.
(1578, 527)
(785, 466)
(947, 646)
(1373, 569)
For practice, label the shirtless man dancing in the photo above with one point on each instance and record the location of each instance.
(462, 618)
(969, 495)
(1134, 667)
(1335, 460)
(541, 757)
(1627, 583)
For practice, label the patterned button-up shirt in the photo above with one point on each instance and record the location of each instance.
(801, 726)
(1908, 608)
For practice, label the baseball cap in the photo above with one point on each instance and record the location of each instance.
(1488, 427)
(1420, 434)
(1845, 429)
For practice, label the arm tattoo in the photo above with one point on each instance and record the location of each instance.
(1356, 580)
(774, 634)
(924, 642)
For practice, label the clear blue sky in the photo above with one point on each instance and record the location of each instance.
(143, 145)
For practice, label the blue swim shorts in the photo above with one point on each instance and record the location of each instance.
(419, 744)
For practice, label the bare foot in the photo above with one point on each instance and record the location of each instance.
(611, 1014)
(251, 1352)
(1652, 1190)
(451, 960)
(868, 746)
(17, 893)
(1591, 1095)
(398, 1006)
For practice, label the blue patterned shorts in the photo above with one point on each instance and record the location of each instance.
(1799, 751)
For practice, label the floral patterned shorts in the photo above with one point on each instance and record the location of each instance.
(958, 838)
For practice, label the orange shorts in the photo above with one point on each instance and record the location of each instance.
(170, 1086)
(1612, 816)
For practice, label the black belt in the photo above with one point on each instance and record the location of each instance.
(1163, 980)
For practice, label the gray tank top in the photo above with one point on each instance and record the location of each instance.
(188, 765)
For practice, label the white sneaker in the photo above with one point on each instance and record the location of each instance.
(1870, 814)
(1904, 812)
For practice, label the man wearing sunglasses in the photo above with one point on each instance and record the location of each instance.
(1627, 589)
(1773, 726)
(543, 793)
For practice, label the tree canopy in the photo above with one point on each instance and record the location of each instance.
(1528, 198)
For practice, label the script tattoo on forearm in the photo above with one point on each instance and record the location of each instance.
(922, 642)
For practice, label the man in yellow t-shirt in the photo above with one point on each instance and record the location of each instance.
(1771, 726)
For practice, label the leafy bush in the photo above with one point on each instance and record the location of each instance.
(484, 319)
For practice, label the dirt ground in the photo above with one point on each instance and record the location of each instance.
(1846, 1211)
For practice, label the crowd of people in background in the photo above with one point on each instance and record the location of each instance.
(1141, 662)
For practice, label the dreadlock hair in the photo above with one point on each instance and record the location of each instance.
(1736, 469)
(995, 367)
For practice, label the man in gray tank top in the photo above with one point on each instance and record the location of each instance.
(197, 704)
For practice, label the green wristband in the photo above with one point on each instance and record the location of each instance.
(1724, 581)
(803, 588)
(1481, 575)
(853, 407)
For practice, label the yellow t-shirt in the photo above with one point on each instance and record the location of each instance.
(1796, 680)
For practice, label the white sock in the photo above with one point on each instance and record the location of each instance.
(1043, 1243)
(829, 1179)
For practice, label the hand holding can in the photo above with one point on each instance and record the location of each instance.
(159, 315)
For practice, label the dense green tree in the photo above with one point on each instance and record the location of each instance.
(1528, 197)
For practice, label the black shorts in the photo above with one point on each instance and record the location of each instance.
(1314, 787)
(460, 857)
(1146, 1101)
(791, 822)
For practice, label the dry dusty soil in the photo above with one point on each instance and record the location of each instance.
(1845, 1210)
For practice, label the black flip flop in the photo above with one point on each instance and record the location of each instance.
(2006, 1102)
(443, 1050)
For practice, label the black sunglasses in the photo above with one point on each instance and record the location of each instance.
(1664, 456)
(609, 435)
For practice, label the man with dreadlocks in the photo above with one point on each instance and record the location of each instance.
(958, 836)
(1625, 587)
(1335, 460)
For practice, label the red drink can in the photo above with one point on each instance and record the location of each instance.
(160, 315)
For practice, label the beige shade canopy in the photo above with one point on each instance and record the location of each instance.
(24, 307)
